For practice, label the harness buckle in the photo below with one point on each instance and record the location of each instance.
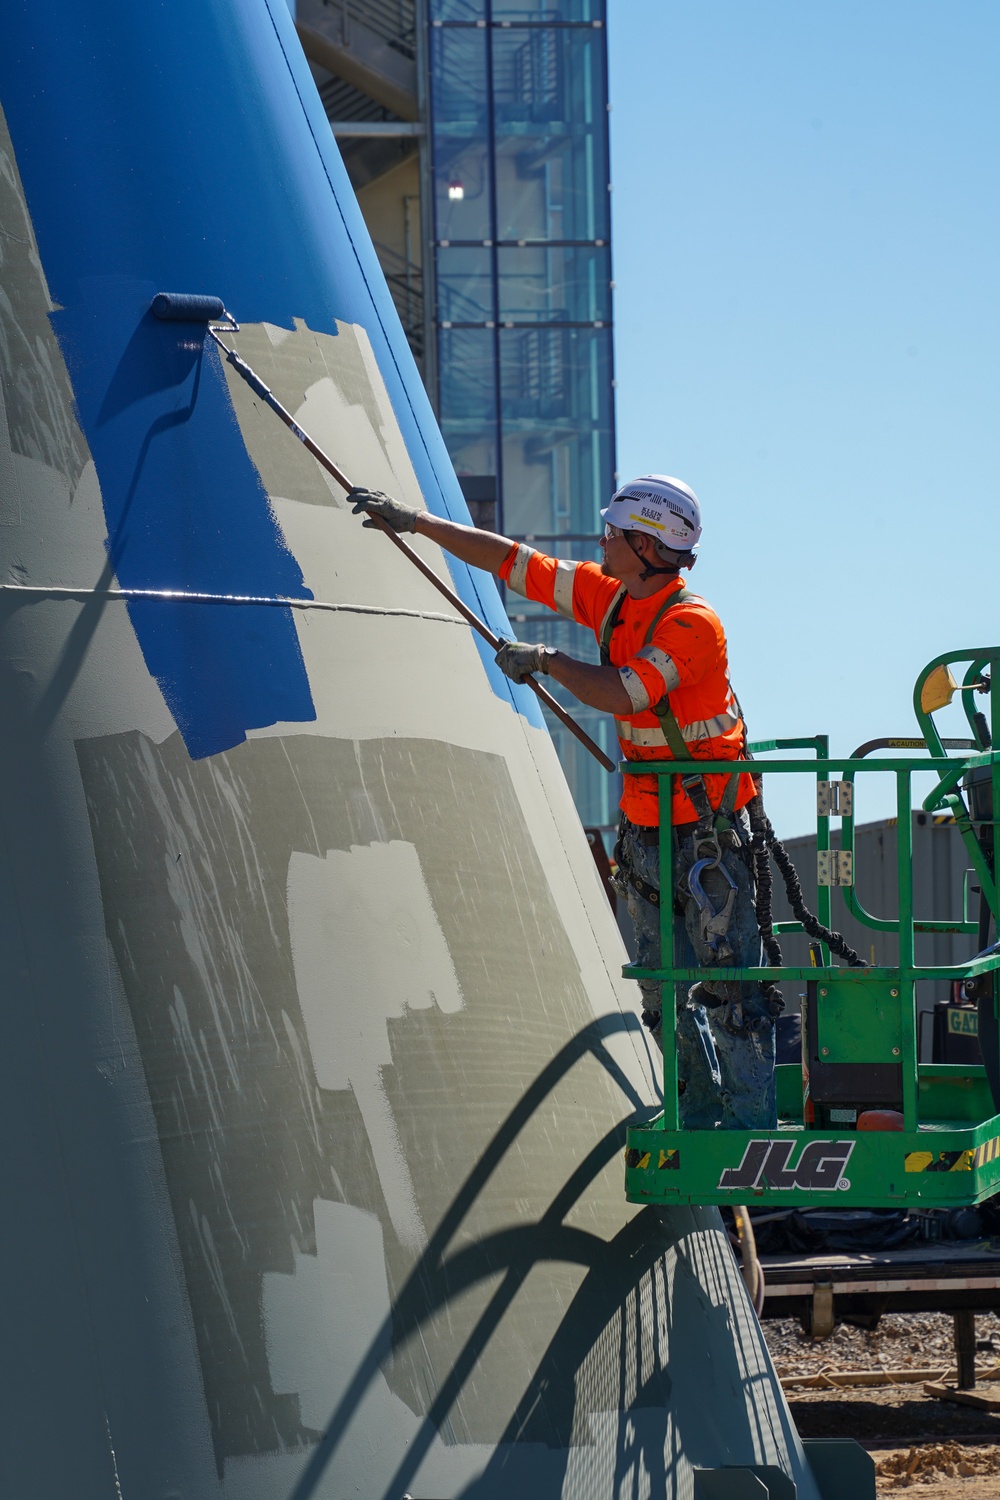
(705, 836)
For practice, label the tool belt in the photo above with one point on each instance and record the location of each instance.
(626, 876)
(651, 836)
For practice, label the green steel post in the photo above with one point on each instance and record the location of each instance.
(668, 1000)
(907, 986)
(995, 811)
(995, 786)
(823, 892)
(945, 792)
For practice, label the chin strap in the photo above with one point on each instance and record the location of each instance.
(681, 560)
(649, 571)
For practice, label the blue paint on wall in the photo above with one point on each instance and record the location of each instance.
(182, 500)
(199, 159)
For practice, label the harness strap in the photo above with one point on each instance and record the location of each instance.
(694, 784)
(611, 619)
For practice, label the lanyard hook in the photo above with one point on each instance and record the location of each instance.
(714, 925)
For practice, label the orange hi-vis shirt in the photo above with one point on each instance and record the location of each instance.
(686, 659)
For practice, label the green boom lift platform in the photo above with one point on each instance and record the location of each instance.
(860, 1024)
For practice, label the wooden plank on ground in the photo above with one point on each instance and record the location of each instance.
(985, 1398)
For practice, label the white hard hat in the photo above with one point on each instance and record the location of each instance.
(664, 508)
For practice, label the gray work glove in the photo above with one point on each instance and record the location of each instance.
(516, 660)
(373, 503)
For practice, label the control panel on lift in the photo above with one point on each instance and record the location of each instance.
(861, 1121)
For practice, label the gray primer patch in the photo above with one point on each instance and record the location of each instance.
(332, 386)
(524, 1316)
(36, 389)
(194, 860)
(364, 930)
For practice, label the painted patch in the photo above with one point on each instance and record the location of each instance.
(366, 915)
(185, 509)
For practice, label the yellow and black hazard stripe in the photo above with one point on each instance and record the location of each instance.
(954, 1161)
(987, 1152)
(939, 1161)
(669, 1161)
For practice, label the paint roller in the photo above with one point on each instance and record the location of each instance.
(211, 313)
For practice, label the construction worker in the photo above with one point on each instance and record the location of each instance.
(664, 676)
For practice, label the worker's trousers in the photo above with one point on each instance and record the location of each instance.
(725, 1080)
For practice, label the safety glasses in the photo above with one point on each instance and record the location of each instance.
(612, 531)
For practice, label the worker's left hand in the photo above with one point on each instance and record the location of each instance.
(373, 503)
(517, 660)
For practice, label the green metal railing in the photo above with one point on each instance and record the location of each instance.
(901, 978)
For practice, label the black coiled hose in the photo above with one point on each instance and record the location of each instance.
(764, 844)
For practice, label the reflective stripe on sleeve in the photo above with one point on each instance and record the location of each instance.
(562, 588)
(663, 663)
(518, 576)
(636, 689)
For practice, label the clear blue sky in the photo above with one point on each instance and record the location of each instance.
(806, 228)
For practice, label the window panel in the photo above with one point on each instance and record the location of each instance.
(458, 64)
(548, 10)
(555, 374)
(551, 128)
(458, 10)
(460, 123)
(462, 207)
(465, 285)
(556, 427)
(467, 380)
(555, 479)
(472, 449)
(541, 283)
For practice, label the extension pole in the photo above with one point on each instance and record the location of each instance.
(265, 393)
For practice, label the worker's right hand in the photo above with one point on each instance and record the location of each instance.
(517, 661)
(373, 503)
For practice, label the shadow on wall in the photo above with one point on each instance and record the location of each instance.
(436, 1280)
(650, 1287)
(534, 1336)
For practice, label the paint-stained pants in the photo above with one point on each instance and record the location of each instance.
(725, 1080)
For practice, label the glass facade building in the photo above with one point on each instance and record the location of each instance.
(518, 122)
(476, 134)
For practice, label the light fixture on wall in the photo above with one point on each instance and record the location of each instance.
(456, 191)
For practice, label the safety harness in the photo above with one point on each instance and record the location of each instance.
(710, 823)
(712, 829)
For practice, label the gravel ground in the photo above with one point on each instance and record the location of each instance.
(901, 1340)
(936, 1457)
